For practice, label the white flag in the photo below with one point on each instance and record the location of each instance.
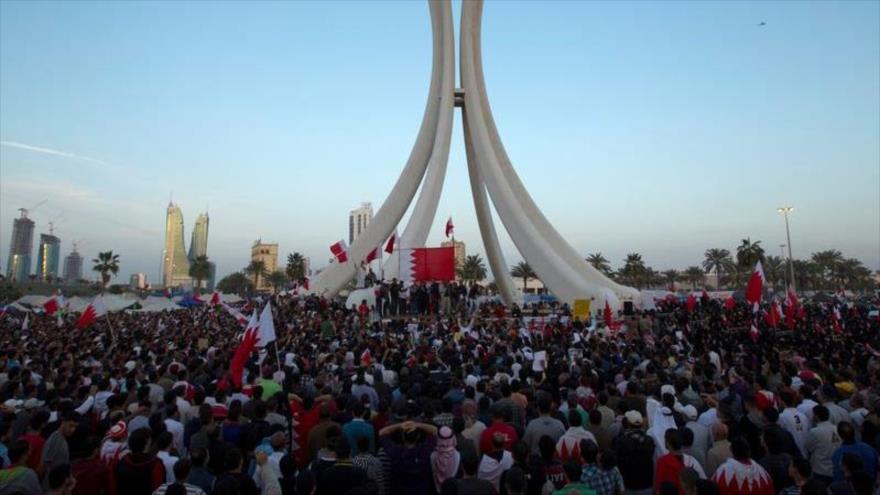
(25, 323)
(267, 327)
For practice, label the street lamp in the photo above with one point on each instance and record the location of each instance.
(785, 210)
(782, 256)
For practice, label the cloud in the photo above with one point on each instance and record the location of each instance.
(50, 151)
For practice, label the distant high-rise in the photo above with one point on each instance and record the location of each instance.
(138, 281)
(73, 267)
(268, 254)
(48, 256)
(358, 219)
(175, 265)
(18, 267)
(198, 246)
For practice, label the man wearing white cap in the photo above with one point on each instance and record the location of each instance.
(635, 451)
(702, 441)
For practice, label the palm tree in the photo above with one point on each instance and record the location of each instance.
(524, 271)
(749, 253)
(807, 274)
(671, 276)
(599, 262)
(695, 275)
(774, 270)
(256, 269)
(716, 259)
(200, 269)
(276, 279)
(296, 267)
(106, 264)
(827, 262)
(235, 283)
(633, 270)
(473, 269)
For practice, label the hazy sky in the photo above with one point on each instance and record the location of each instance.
(658, 127)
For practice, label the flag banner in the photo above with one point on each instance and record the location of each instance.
(389, 246)
(340, 251)
(755, 287)
(375, 254)
(90, 315)
(433, 264)
(266, 327)
(450, 229)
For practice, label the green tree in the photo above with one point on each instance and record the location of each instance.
(716, 259)
(296, 267)
(256, 269)
(670, 276)
(634, 270)
(749, 253)
(807, 274)
(599, 262)
(276, 279)
(695, 275)
(106, 264)
(235, 283)
(199, 270)
(827, 263)
(473, 269)
(524, 271)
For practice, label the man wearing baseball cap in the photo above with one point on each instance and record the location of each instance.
(635, 451)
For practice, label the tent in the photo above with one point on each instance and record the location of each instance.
(162, 304)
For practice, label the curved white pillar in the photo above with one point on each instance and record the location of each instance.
(337, 275)
(419, 225)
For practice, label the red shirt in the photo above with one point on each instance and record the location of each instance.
(668, 467)
(499, 427)
(36, 441)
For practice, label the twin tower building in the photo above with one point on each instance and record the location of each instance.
(175, 259)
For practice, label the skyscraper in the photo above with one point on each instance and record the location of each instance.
(175, 265)
(48, 256)
(198, 246)
(18, 267)
(358, 219)
(73, 267)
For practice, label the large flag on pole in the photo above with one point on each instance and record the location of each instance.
(90, 315)
(266, 326)
(375, 254)
(427, 264)
(755, 288)
(340, 251)
(449, 227)
(243, 351)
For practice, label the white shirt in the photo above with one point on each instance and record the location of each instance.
(798, 425)
(806, 408)
(176, 429)
(168, 461)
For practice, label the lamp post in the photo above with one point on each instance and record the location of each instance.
(785, 210)
(782, 255)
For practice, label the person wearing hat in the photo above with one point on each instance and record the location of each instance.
(115, 444)
(635, 450)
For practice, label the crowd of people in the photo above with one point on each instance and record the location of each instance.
(474, 399)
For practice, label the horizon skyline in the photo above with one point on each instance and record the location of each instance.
(793, 102)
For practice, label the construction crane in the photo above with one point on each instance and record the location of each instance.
(25, 211)
(55, 221)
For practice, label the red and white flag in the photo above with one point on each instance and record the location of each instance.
(774, 316)
(755, 288)
(90, 315)
(729, 303)
(389, 246)
(375, 254)
(266, 326)
(244, 349)
(305, 283)
(340, 251)
(791, 307)
(53, 304)
(449, 227)
(366, 358)
(215, 298)
(240, 318)
(606, 314)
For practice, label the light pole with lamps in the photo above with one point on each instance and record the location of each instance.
(785, 210)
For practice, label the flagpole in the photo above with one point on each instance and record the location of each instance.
(110, 324)
(277, 354)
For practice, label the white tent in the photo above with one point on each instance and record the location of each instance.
(32, 300)
(162, 304)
